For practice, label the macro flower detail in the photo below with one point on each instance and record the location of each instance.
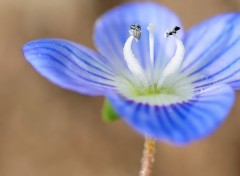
(169, 85)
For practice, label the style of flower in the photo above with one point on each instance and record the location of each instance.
(176, 89)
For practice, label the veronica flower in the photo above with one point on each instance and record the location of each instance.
(176, 89)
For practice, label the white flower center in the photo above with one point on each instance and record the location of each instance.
(172, 86)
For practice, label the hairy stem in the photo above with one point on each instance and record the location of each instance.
(148, 157)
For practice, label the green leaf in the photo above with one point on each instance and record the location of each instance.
(108, 113)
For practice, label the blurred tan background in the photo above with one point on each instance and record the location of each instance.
(48, 131)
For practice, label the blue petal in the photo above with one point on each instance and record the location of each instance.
(69, 65)
(112, 31)
(179, 123)
(212, 49)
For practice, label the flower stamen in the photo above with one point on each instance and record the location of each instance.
(175, 63)
(132, 62)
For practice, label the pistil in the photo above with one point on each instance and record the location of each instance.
(151, 28)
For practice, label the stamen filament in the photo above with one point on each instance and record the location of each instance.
(132, 62)
(175, 63)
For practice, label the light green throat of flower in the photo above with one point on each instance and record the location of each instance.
(153, 90)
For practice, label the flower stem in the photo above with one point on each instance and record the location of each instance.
(148, 157)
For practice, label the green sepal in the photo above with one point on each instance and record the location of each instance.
(108, 113)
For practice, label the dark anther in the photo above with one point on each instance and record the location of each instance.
(172, 31)
(135, 30)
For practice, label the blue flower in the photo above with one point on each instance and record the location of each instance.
(176, 89)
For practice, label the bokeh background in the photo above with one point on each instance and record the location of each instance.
(48, 131)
